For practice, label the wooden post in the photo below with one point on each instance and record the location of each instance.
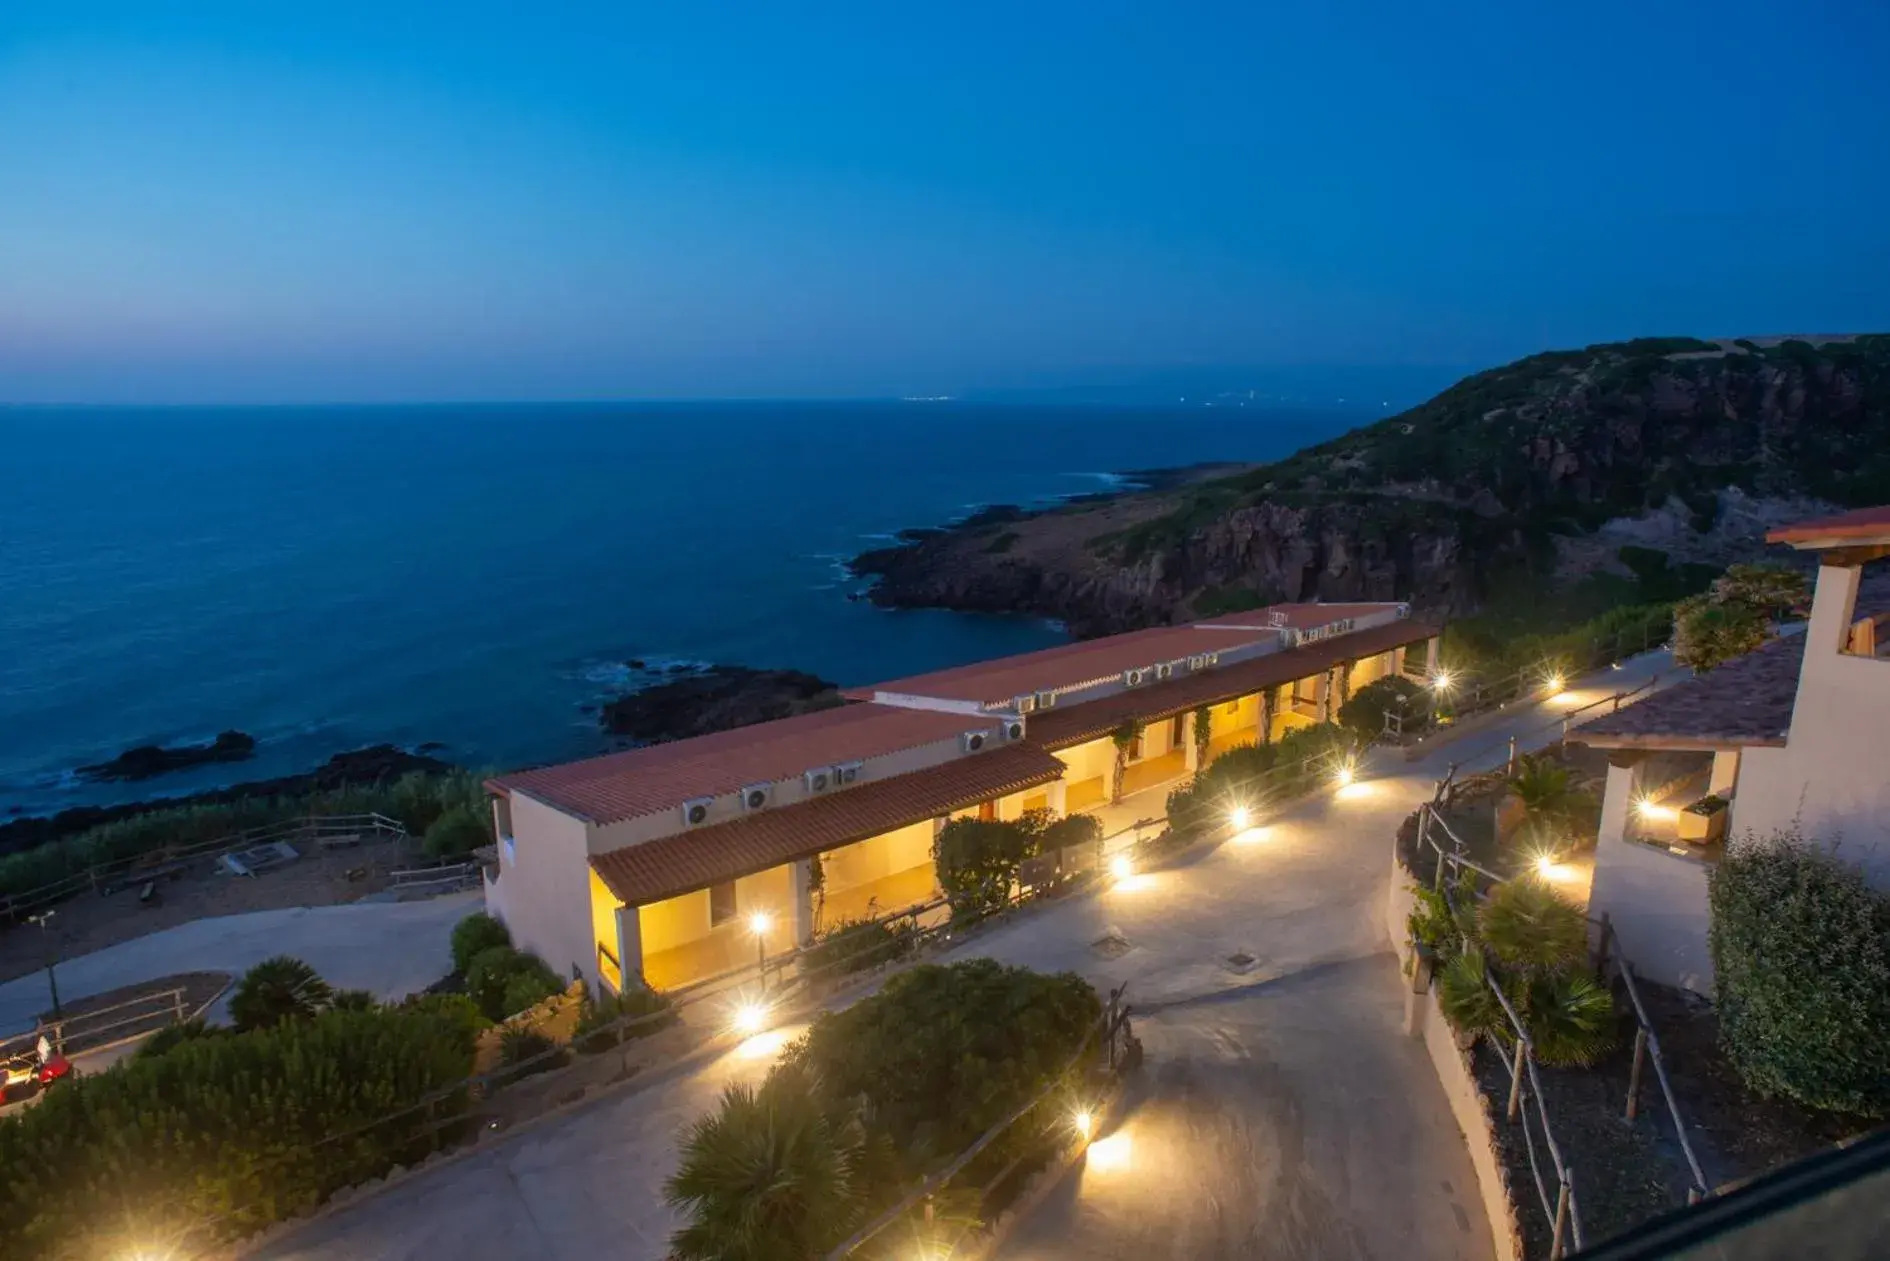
(1561, 1222)
(1693, 1196)
(177, 997)
(1601, 959)
(1634, 1073)
(1510, 769)
(1516, 1078)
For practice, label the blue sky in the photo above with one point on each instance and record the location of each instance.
(226, 201)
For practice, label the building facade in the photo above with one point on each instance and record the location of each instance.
(1785, 739)
(679, 862)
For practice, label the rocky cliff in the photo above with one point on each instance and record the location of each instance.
(1538, 471)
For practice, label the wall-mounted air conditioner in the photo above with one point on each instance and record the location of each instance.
(972, 741)
(1165, 669)
(695, 811)
(756, 796)
(818, 780)
(1135, 677)
(847, 773)
(1014, 729)
(1023, 704)
(1046, 699)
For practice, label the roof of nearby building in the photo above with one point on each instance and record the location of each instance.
(1069, 665)
(1746, 701)
(1064, 726)
(639, 874)
(1862, 525)
(661, 777)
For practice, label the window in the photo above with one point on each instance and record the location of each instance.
(502, 815)
(721, 903)
(1177, 730)
(987, 810)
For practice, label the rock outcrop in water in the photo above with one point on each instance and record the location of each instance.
(150, 760)
(715, 698)
(1533, 473)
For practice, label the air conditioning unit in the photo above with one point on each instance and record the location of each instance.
(1135, 677)
(755, 796)
(1014, 729)
(1165, 670)
(1209, 660)
(1046, 700)
(847, 772)
(695, 811)
(972, 741)
(1023, 704)
(1196, 662)
(818, 780)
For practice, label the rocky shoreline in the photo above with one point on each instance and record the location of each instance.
(714, 698)
(148, 761)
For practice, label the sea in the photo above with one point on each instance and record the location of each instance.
(481, 577)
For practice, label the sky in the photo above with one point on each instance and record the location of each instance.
(238, 200)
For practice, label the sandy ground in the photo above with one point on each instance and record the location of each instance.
(91, 922)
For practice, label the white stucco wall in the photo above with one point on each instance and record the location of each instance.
(1829, 780)
(543, 892)
(1657, 903)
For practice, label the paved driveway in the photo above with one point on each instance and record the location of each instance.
(1290, 1106)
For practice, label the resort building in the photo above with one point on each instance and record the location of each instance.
(679, 862)
(1787, 738)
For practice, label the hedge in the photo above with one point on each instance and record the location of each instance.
(1256, 775)
(1801, 956)
(219, 1136)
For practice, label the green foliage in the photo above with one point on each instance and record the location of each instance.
(770, 1175)
(1437, 923)
(1203, 733)
(503, 982)
(1801, 959)
(1364, 714)
(1531, 928)
(1466, 999)
(1220, 601)
(856, 945)
(175, 1035)
(414, 800)
(278, 989)
(1735, 616)
(458, 832)
(1053, 833)
(607, 1020)
(1551, 802)
(1255, 776)
(1570, 1018)
(456, 1009)
(977, 861)
(474, 935)
(221, 1135)
(529, 1051)
(354, 1000)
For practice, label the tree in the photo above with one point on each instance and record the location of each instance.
(502, 981)
(458, 832)
(1364, 714)
(278, 989)
(1124, 738)
(768, 1176)
(474, 935)
(1736, 615)
(977, 862)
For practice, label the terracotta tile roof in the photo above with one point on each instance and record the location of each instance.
(1299, 616)
(663, 776)
(1064, 726)
(1746, 701)
(994, 682)
(1846, 527)
(663, 868)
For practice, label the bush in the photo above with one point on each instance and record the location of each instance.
(278, 989)
(503, 982)
(458, 832)
(1364, 714)
(219, 1136)
(175, 1035)
(1801, 956)
(473, 936)
(857, 945)
(599, 1017)
(354, 1000)
(1054, 834)
(527, 1051)
(977, 862)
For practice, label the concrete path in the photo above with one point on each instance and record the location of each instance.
(393, 949)
(1319, 1122)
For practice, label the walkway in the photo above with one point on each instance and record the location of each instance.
(1321, 1129)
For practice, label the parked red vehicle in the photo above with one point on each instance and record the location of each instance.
(32, 1071)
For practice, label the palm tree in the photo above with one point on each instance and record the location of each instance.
(1468, 1002)
(768, 1176)
(1570, 1019)
(278, 989)
(1533, 929)
(1549, 797)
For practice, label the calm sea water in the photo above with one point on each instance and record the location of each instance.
(326, 578)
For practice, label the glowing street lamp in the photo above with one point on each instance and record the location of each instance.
(750, 1018)
(1441, 681)
(759, 923)
(1555, 682)
(1083, 1123)
(1238, 816)
(1344, 776)
(1120, 867)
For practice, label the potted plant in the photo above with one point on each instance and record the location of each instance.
(1705, 820)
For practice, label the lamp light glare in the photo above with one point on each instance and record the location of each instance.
(1083, 1122)
(1555, 683)
(1120, 867)
(1345, 776)
(1440, 682)
(750, 1018)
(759, 923)
(1238, 816)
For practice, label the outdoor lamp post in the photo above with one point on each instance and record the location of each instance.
(52, 979)
(759, 923)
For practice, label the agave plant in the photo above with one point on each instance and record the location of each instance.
(767, 1176)
(1531, 928)
(278, 989)
(1570, 1019)
(1549, 797)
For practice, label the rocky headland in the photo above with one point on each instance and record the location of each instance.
(150, 760)
(714, 698)
(1528, 476)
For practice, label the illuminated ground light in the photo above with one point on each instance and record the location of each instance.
(1554, 684)
(1121, 868)
(1110, 1155)
(764, 1045)
(1238, 816)
(1652, 812)
(749, 1018)
(1548, 869)
(1082, 1123)
(1247, 836)
(1441, 681)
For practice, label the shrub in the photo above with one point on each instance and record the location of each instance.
(458, 832)
(1364, 714)
(529, 1051)
(1548, 794)
(598, 1020)
(474, 935)
(175, 1035)
(502, 981)
(1530, 927)
(857, 945)
(1801, 956)
(278, 989)
(221, 1135)
(1570, 1019)
(977, 861)
(354, 1000)
(1054, 834)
